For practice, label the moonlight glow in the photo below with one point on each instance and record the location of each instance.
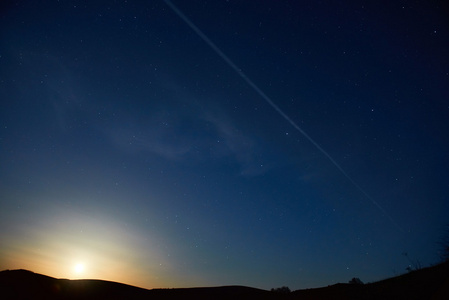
(79, 268)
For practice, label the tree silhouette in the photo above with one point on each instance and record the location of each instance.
(281, 290)
(355, 280)
(444, 244)
(414, 263)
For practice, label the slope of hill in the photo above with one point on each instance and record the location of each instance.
(23, 284)
(429, 283)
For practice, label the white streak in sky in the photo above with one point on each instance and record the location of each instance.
(273, 105)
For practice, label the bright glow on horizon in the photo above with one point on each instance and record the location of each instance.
(76, 245)
(79, 268)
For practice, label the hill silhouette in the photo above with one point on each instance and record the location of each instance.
(428, 283)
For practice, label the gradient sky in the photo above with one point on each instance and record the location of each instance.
(128, 145)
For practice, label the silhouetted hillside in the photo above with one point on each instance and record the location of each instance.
(429, 283)
(23, 284)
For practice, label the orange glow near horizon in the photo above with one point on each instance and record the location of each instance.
(80, 247)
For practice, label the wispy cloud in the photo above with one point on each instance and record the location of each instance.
(234, 142)
(195, 135)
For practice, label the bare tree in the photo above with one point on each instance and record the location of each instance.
(414, 263)
(444, 245)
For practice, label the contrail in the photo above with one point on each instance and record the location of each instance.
(272, 104)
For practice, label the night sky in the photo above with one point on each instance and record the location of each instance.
(258, 143)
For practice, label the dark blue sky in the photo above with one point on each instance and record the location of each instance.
(129, 146)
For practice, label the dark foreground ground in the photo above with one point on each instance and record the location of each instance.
(429, 283)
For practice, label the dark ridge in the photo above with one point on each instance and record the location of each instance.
(428, 283)
(23, 284)
(224, 292)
